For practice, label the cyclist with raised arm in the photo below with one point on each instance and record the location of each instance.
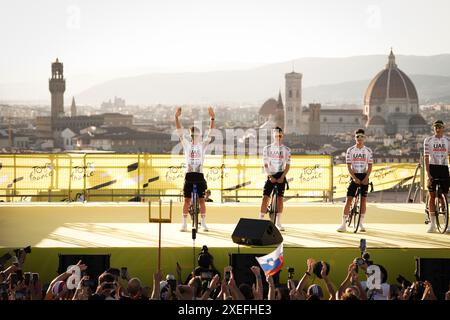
(359, 159)
(277, 159)
(436, 152)
(194, 149)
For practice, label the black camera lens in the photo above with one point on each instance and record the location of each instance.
(317, 269)
(27, 278)
(172, 284)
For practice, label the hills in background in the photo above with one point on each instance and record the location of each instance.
(325, 80)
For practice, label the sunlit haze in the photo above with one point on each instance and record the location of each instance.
(99, 40)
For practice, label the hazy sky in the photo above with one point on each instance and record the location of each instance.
(99, 39)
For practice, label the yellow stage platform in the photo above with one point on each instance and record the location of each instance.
(395, 235)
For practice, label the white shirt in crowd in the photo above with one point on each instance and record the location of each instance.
(381, 294)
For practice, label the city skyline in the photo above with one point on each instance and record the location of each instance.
(340, 79)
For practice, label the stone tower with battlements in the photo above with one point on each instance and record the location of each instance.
(57, 86)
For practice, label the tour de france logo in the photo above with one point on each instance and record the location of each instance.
(80, 172)
(311, 173)
(41, 172)
(215, 173)
(383, 172)
(175, 172)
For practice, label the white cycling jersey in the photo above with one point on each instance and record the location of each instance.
(194, 153)
(359, 158)
(276, 157)
(437, 149)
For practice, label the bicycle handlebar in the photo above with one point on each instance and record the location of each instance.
(440, 179)
(369, 184)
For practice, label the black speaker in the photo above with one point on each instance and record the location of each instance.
(437, 271)
(256, 232)
(96, 263)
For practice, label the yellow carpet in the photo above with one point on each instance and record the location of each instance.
(126, 225)
(395, 236)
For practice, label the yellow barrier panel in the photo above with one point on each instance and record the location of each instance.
(384, 176)
(132, 177)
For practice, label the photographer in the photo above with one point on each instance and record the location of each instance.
(83, 291)
(135, 291)
(321, 270)
(196, 286)
(351, 287)
(364, 263)
(377, 294)
(206, 269)
(168, 288)
(419, 290)
(213, 285)
(58, 289)
(107, 288)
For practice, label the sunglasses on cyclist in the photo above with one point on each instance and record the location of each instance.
(360, 136)
(438, 126)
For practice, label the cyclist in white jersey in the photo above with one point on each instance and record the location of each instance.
(194, 151)
(436, 152)
(359, 159)
(277, 159)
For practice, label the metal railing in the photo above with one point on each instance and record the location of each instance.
(135, 177)
(143, 177)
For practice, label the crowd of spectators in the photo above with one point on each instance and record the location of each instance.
(207, 283)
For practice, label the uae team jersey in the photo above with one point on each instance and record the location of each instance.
(194, 153)
(276, 157)
(359, 158)
(437, 149)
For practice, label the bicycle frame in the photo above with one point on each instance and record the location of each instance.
(440, 207)
(355, 210)
(194, 209)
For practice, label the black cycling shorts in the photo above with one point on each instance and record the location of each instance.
(352, 187)
(268, 186)
(437, 171)
(192, 178)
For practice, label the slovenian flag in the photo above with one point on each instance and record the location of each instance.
(273, 262)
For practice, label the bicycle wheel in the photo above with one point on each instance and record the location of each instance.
(427, 210)
(274, 207)
(197, 211)
(441, 212)
(357, 211)
(191, 213)
(350, 216)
